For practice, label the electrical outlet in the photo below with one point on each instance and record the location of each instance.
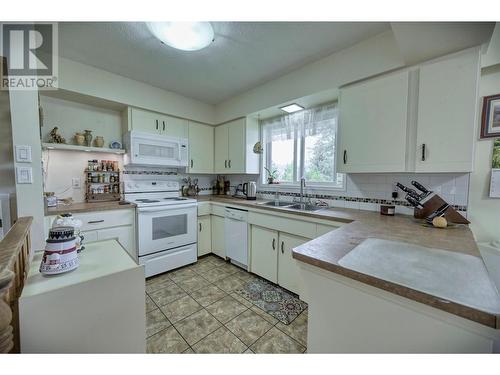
(76, 183)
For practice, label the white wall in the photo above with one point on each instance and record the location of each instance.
(71, 117)
(26, 131)
(87, 80)
(484, 211)
(373, 56)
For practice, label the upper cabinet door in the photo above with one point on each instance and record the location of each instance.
(373, 125)
(236, 146)
(145, 121)
(221, 149)
(201, 148)
(447, 113)
(173, 126)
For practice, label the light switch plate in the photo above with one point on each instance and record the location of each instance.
(24, 175)
(23, 154)
(76, 183)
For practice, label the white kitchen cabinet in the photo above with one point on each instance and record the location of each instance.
(105, 225)
(420, 119)
(156, 123)
(373, 125)
(201, 148)
(218, 247)
(288, 269)
(264, 256)
(221, 149)
(234, 143)
(447, 113)
(271, 257)
(204, 235)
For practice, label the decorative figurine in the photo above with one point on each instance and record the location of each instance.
(55, 137)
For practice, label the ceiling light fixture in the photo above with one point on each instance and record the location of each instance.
(186, 36)
(290, 108)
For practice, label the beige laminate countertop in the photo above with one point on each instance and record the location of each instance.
(87, 207)
(326, 251)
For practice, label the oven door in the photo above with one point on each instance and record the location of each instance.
(163, 228)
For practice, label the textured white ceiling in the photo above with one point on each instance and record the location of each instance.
(243, 55)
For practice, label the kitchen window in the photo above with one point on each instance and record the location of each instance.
(302, 144)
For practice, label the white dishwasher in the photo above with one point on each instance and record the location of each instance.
(236, 236)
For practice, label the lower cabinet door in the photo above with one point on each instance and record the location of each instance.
(218, 246)
(264, 259)
(288, 269)
(204, 235)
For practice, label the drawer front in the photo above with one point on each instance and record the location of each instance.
(218, 210)
(204, 208)
(106, 219)
(297, 227)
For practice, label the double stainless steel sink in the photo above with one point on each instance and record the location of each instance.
(295, 206)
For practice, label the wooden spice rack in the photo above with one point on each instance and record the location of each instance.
(102, 190)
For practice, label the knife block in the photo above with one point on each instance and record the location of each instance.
(432, 204)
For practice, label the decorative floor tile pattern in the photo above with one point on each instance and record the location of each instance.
(196, 309)
(274, 300)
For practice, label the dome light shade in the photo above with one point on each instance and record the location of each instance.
(186, 36)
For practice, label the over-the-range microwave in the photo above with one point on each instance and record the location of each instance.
(155, 150)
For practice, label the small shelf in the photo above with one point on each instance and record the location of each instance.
(64, 146)
(103, 183)
(87, 171)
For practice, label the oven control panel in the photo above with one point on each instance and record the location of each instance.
(150, 186)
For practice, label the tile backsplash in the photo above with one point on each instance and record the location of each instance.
(368, 191)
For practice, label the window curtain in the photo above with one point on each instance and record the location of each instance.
(308, 122)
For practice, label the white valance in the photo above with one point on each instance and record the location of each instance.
(307, 122)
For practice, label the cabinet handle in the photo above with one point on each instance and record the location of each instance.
(229, 163)
(345, 156)
(95, 221)
(282, 247)
(191, 163)
(423, 151)
(163, 125)
(225, 163)
(156, 124)
(274, 243)
(200, 226)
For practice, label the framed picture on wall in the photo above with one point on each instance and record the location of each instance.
(490, 119)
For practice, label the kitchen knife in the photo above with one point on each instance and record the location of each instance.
(420, 187)
(413, 201)
(412, 193)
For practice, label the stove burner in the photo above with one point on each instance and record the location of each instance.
(147, 201)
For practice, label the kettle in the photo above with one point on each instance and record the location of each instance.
(250, 190)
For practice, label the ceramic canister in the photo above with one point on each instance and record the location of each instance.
(60, 252)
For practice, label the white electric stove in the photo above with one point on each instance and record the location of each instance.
(165, 224)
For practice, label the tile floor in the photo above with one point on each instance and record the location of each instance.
(194, 309)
